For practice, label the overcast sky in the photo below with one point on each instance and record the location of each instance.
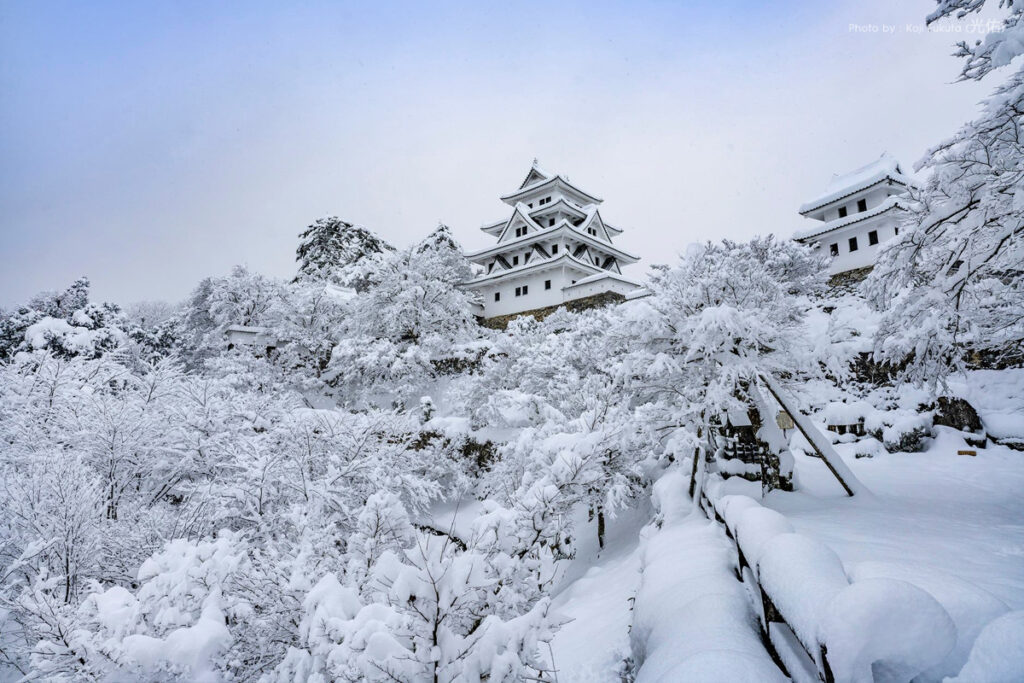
(149, 144)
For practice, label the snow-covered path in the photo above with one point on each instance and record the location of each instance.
(592, 647)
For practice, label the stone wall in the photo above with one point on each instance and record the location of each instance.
(576, 305)
(849, 280)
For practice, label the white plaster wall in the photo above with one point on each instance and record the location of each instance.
(874, 197)
(865, 254)
(537, 296)
(592, 288)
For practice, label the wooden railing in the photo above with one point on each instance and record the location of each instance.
(798, 585)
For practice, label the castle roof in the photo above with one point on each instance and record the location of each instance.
(562, 229)
(884, 169)
(821, 228)
(551, 182)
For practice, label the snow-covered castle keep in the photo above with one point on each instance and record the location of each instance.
(858, 211)
(554, 248)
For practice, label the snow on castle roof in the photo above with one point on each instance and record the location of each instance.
(553, 180)
(535, 175)
(822, 228)
(884, 168)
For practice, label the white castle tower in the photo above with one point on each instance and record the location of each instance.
(554, 248)
(858, 211)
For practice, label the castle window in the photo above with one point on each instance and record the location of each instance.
(834, 249)
(853, 244)
(862, 205)
(497, 296)
(842, 212)
(547, 284)
(897, 231)
(519, 291)
(554, 248)
(526, 288)
(551, 221)
(873, 237)
(515, 260)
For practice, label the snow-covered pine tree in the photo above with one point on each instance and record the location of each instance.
(330, 248)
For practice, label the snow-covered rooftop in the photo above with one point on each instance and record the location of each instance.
(886, 167)
(606, 275)
(553, 180)
(821, 228)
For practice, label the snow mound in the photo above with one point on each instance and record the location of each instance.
(998, 653)
(970, 607)
(885, 630)
(756, 527)
(802, 576)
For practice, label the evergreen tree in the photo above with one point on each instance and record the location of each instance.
(332, 249)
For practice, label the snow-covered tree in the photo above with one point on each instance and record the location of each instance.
(951, 283)
(339, 251)
(727, 313)
(1003, 39)
(242, 297)
(65, 323)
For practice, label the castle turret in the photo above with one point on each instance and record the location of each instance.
(857, 212)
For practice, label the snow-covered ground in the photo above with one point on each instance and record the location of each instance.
(936, 511)
(950, 524)
(597, 595)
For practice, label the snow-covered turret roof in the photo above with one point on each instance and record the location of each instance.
(822, 228)
(559, 181)
(535, 175)
(886, 167)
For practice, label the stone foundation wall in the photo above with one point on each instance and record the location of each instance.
(576, 305)
(849, 280)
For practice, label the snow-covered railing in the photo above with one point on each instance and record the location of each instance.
(821, 445)
(816, 623)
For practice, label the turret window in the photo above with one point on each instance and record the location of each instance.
(834, 249)
(853, 244)
(547, 284)
(551, 221)
(842, 212)
(862, 205)
(873, 237)
(497, 296)
(554, 248)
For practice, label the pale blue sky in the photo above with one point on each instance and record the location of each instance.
(147, 145)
